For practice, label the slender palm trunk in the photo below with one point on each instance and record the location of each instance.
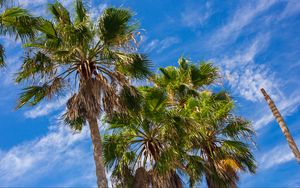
(210, 183)
(175, 181)
(282, 125)
(96, 139)
(141, 178)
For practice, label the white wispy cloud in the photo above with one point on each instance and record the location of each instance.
(278, 155)
(292, 8)
(244, 75)
(96, 11)
(240, 19)
(46, 108)
(160, 45)
(195, 15)
(8, 73)
(37, 8)
(56, 153)
(286, 106)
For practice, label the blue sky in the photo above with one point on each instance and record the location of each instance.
(255, 43)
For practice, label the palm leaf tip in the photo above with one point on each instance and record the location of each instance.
(17, 21)
(60, 13)
(138, 67)
(75, 124)
(81, 13)
(183, 63)
(114, 26)
(31, 95)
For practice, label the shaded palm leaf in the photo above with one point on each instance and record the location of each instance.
(2, 56)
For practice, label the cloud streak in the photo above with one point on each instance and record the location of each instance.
(277, 156)
(58, 152)
(292, 8)
(160, 45)
(242, 17)
(245, 76)
(286, 106)
(194, 16)
(46, 108)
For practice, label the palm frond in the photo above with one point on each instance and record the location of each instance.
(60, 13)
(46, 27)
(31, 95)
(130, 98)
(138, 67)
(40, 64)
(204, 75)
(114, 28)
(17, 21)
(75, 124)
(238, 127)
(81, 13)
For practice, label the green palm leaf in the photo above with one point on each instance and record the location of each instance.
(17, 21)
(114, 28)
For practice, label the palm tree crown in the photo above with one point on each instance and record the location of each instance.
(91, 61)
(179, 127)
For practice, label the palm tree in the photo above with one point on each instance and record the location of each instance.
(140, 143)
(191, 131)
(217, 140)
(282, 125)
(186, 80)
(15, 21)
(212, 134)
(92, 61)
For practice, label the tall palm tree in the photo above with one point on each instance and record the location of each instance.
(213, 134)
(140, 143)
(191, 130)
(282, 124)
(15, 21)
(92, 61)
(218, 145)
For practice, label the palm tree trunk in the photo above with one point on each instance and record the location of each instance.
(141, 178)
(282, 125)
(96, 140)
(210, 182)
(175, 181)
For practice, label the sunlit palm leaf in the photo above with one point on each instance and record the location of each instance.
(17, 21)
(139, 67)
(80, 11)
(60, 13)
(114, 26)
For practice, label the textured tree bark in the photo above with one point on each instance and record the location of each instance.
(141, 178)
(175, 181)
(282, 125)
(210, 183)
(96, 140)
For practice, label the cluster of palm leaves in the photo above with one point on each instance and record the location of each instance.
(17, 22)
(158, 135)
(179, 131)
